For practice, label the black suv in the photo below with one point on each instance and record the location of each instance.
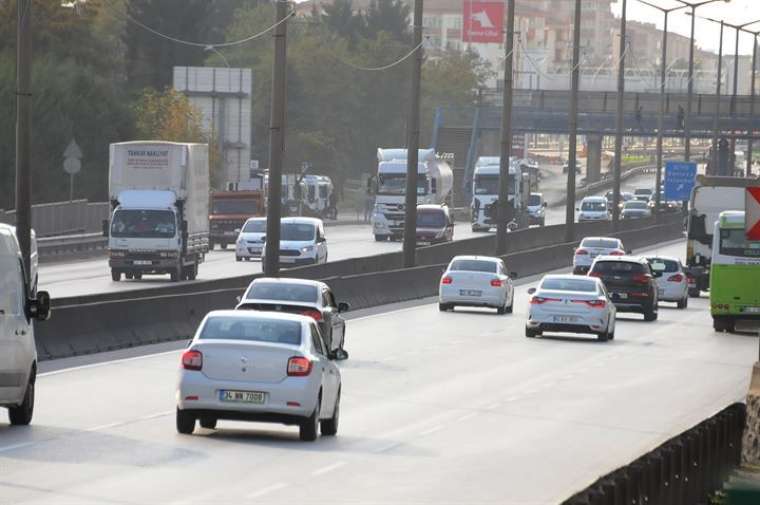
(630, 283)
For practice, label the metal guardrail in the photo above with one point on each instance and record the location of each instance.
(50, 247)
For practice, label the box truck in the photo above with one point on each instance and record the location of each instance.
(159, 194)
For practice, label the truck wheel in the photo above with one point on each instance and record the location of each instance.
(223, 245)
(723, 323)
(381, 238)
(129, 275)
(137, 275)
(192, 272)
(176, 275)
(115, 275)
(694, 292)
(211, 245)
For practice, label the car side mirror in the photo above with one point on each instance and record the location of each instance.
(544, 204)
(105, 225)
(577, 209)
(337, 355)
(513, 275)
(238, 298)
(343, 307)
(532, 291)
(39, 308)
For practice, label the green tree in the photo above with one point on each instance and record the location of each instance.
(391, 16)
(340, 18)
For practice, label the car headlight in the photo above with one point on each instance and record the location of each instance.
(307, 249)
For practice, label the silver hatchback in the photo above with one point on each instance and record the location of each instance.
(259, 366)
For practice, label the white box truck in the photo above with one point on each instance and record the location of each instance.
(485, 190)
(159, 194)
(434, 183)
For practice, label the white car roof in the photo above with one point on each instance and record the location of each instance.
(669, 258)
(594, 199)
(250, 219)
(302, 220)
(432, 206)
(477, 258)
(290, 280)
(257, 314)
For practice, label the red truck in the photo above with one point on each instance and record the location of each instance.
(228, 211)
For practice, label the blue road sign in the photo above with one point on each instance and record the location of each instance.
(679, 180)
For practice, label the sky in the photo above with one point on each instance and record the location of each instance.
(707, 34)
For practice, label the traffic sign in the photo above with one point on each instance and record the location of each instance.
(679, 180)
(752, 213)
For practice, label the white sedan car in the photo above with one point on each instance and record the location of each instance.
(571, 304)
(250, 241)
(476, 281)
(259, 366)
(672, 283)
(591, 247)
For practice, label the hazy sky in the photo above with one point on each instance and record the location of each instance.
(706, 32)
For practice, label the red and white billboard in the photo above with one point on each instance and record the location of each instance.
(483, 21)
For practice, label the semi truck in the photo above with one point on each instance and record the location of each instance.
(159, 193)
(485, 190)
(229, 211)
(710, 197)
(434, 184)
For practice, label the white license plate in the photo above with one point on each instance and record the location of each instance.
(470, 292)
(752, 310)
(256, 397)
(621, 296)
(142, 262)
(565, 319)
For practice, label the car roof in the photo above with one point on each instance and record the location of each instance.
(257, 218)
(570, 276)
(594, 198)
(626, 259)
(301, 220)
(477, 258)
(432, 206)
(599, 238)
(668, 258)
(259, 314)
(290, 280)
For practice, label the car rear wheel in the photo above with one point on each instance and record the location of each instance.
(530, 333)
(308, 430)
(329, 427)
(185, 422)
(650, 314)
(21, 415)
(682, 304)
(208, 422)
(444, 307)
(115, 275)
(238, 258)
(603, 337)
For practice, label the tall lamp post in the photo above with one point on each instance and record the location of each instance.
(690, 84)
(752, 100)
(619, 124)
(661, 116)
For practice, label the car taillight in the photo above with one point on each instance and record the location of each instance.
(447, 280)
(617, 253)
(538, 300)
(675, 278)
(298, 366)
(192, 360)
(642, 278)
(496, 283)
(314, 314)
(594, 274)
(581, 251)
(596, 304)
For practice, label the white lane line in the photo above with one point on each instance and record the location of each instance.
(328, 468)
(431, 430)
(493, 406)
(266, 490)
(17, 446)
(513, 398)
(106, 363)
(156, 415)
(106, 426)
(388, 447)
(466, 417)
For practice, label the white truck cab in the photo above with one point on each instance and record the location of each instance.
(18, 351)
(485, 190)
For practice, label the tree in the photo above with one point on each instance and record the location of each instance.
(391, 16)
(168, 115)
(340, 19)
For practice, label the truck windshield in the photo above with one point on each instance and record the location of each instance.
(395, 184)
(235, 206)
(486, 184)
(431, 219)
(299, 232)
(733, 242)
(143, 223)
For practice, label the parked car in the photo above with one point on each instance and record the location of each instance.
(593, 208)
(259, 366)
(302, 241)
(570, 304)
(591, 247)
(636, 209)
(434, 224)
(630, 283)
(477, 281)
(250, 241)
(536, 209)
(19, 307)
(671, 280)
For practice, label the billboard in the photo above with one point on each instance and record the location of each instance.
(483, 21)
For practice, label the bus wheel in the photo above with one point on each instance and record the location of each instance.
(723, 323)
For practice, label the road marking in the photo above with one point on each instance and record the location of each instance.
(493, 406)
(467, 416)
(328, 468)
(16, 446)
(513, 398)
(269, 489)
(106, 363)
(388, 447)
(431, 430)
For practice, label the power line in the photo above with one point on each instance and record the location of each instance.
(381, 68)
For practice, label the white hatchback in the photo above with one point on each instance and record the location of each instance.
(571, 304)
(476, 281)
(672, 283)
(259, 366)
(591, 247)
(250, 241)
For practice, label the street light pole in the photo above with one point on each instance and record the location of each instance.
(506, 137)
(751, 101)
(619, 130)
(571, 158)
(714, 159)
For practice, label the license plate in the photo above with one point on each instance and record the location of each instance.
(142, 262)
(255, 397)
(470, 292)
(752, 310)
(565, 319)
(622, 296)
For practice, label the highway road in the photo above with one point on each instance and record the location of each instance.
(91, 276)
(438, 408)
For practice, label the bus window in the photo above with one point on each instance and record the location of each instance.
(733, 242)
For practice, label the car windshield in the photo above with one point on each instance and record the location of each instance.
(258, 226)
(234, 206)
(668, 265)
(487, 184)
(534, 200)
(643, 192)
(618, 268)
(283, 291)
(297, 232)
(252, 329)
(600, 243)
(594, 205)
(473, 266)
(431, 219)
(395, 184)
(636, 205)
(133, 223)
(563, 284)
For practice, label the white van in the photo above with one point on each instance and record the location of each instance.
(302, 242)
(18, 352)
(593, 208)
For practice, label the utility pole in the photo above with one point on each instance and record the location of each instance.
(506, 137)
(715, 157)
(276, 141)
(751, 101)
(571, 157)
(24, 131)
(412, 150)
(619, 130)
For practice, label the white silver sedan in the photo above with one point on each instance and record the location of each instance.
(477, 281)
(571, 304)
(672, 283)
(259, 366)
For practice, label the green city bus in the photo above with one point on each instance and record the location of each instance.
(734, 274)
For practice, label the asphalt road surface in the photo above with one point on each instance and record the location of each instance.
(438, 408)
